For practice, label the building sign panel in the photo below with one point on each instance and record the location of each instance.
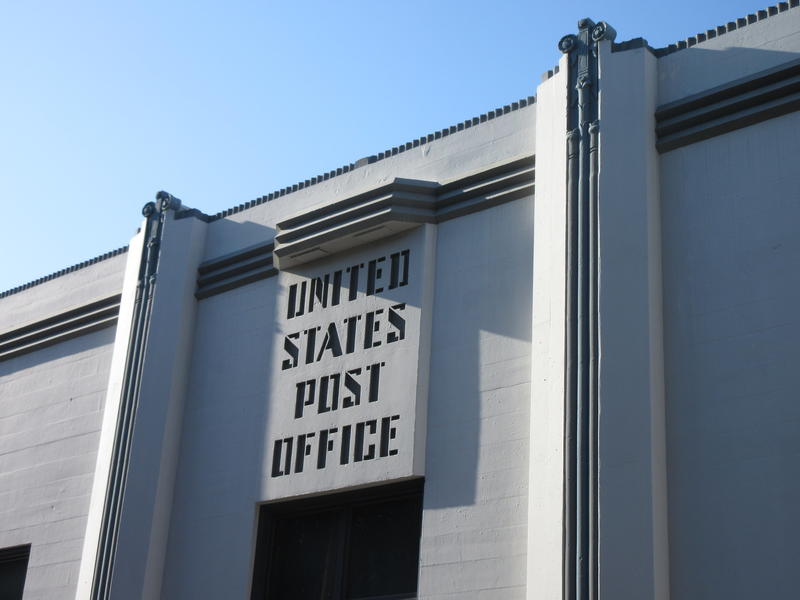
(349, 374)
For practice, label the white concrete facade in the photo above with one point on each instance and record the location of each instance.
(418, 316)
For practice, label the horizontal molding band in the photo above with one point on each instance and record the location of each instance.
(395, 207)
(764, 95)
(234, 270)
(59, 328)
(364, 216)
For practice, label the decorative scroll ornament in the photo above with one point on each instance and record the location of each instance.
(567, 43)
(603, 31)
(167, 201)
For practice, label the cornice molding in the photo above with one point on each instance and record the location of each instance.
(395, 207)
(739, 23)
(60, 328)
(234, 270)
(66, 271)
(388, 153)
(746, 101)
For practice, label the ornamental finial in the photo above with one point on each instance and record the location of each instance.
(167, 200)
(603, 31)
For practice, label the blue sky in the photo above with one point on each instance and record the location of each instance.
(105, 103)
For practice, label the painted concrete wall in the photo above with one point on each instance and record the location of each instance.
(63, 293)
(730, 212)
(474, 528)
(730, 207)
(51, 406)
(632, 509)
(497, 141)
(476, 468)
(222, 446)
(717, 61)
(147, 506)
(546, 463)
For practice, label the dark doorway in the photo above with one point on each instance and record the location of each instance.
(361, 545)
(13, 568)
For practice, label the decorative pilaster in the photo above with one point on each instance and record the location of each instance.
(154, 214)
(580, 422)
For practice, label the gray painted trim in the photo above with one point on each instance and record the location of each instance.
(234, 270)
(397, 206)
(768, 12)
(80, 265)
(60, 328)
(632, 44)
(406, 200)
(569, 512)
(740, 103)
(580, 513)
(187, 213)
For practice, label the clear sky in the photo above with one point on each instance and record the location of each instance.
(105, 103)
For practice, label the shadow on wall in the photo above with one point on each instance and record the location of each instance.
(480, 357)
(693, 70)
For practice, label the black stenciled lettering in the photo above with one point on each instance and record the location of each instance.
(330, 342)
(337, 288)
(311, 342)
(277, 454)
(335, 378)
(353, 281)
(352, 386)
(388, 433)
(358, 450)
(292, 300)
(405, 254)
(350, 342)
(325, 446)
(303, 450)
(374, 380)
(394, 270)
(398, 322)
(276, 459)
(304, 399)
(318, 292)
(324, 405)
(374, 274)
(326, 290)
(292, 350)
(371, 326)
(301, 301)
(358, 446)
(344, 455)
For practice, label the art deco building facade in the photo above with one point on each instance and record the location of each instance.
(549, 352)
